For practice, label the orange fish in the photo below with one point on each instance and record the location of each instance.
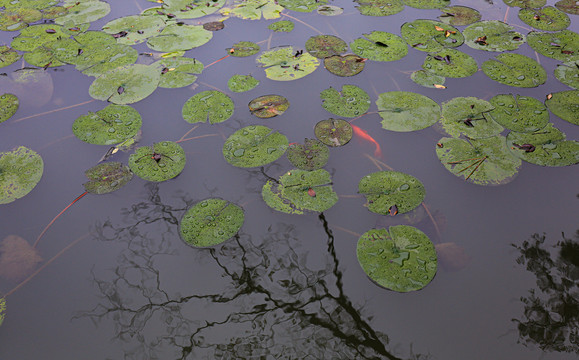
(364, 135)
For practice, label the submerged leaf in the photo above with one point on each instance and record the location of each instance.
(20, 171)
(212, 105)
(428, 79)
(254, 145)
(407, 111)
(322, 46)
(459, 15)
(350, 101)
(344, 65)
(268, 106)
(334, 132)
(312, 155)
(242, 83)
(159, 162)
(515, 70)
(107, 177)
(18, 259)
(281, 26)
(384, 189)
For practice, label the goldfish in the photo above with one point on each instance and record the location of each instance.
(364, 135)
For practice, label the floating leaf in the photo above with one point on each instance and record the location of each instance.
(282, 26)
(255, 9)
(565, 104)
(334, 132)
(179, 37)
(34, 36)
(493, 35)
(302, 5)
(17, 261)
(159, 162)
(253, 146)
(32, 86)
(431, 35)
(134, 29)
(178, 72)
(312, 155)
(84, 47)
(281, 64)
(81, 12)
(402, 260)
(109, 126)
(33, 4)
(427, 4)
(137, 81)
(53, 12)
(568, 73)
(518, 113)
(344, 65)
(18, 18)
(268, 106)
(241, 83)
(211, 222)
(330, 10)
(212, 105)
(20, 171)
(407, 111)
(243, 49)
(450, 63)
(8, 56)
(191, 9)
(384, 189)
(515, 70)
(107, 177)
(300, 190)
(322, 46)
(8, 106)
(380, 46)
(525, 3)
(379, 7)
(214, 25)
(562, 45)
(548, 18)
(466, 115)
(350, 101)
(428, 79)
(2, 310)
(43, 56)
(568, 6)
(459, 15)
(482, 162)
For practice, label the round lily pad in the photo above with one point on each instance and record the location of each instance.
(242, 83)
(254, 9)
(380, 46)
(191, 9)
(211, 105)
(97, 60)
(312, 155)
(351, 101)
(107, 177)
(515, 70)
(34, 36)
(344, 65)
(243, 49)
(466, 115)
(211, 222)
(402, 259)
(8, 56)
(330, 10)
(568, 73)
(302, 5)
(431, 35)
(518, 113)
(483, 162)
(565, 104)
(525, 3)
(427, 4)
(379, 7)
(334, 132)
(111, 125)
(43, 56)
(548, 18)
(268, 106)
(53, 12)
(253, 146)
(300, 190)
(20, 171)
(322, 46)
(561, 45)
(134, 29)
(159, 162)
(388, 190)
(179, 37)
(459, 15)
(285, 63)
(85, 49)
(428, 79)
(82, 12)
(8, 106)
(450, 63)
(407, 111)
(33, 4)
(281, 26)
(568, 6)
(178, 72)
(493, 35)
(126, 85)
(17, 18)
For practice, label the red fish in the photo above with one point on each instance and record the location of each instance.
(364, 135)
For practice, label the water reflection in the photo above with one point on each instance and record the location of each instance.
(551, 315)
(273, 301)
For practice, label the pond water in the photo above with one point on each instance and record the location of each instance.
(117, 282)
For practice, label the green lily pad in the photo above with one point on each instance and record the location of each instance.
(268, 106)
(322, 46)
(191, 9)
(302, 5)
(53, 12)
(565, 104)
(330, 10)
(8, 56)
(83, 47)
(562, 45)
(159, 162)
(2, 310)
(568, 73)
(179, 37)
(82, 12)
(253, 146)
(109, 126)
(546, 147)
(32, 4)
(254, 9)
(548, 18)
(482, 162)
(281, 64)
(428, 79)
(243, 49)
(300, 190)
(8, 106)
(518, 113)
(379, 7)
(242, 83)
(43, 56)
(450, 63)
(407, 111)
(515, 70)
(568, 6)
(211, 222)
(402, 260)
(212, 105)
(459, 15)
(350, 101)
(334, 132)
(178, 72)
(493, 35)
(431, 35)
(134, 29)
(380, 46)
(525, 3)
(281, 26)
(107, 177)
(18, 18)
(312, 155)
(126, 85)
(385, 190)
(344, 65)
(214, 25)
(20, 171)
(427, 4)
(97, 60)
(466, 115)
(34, 36)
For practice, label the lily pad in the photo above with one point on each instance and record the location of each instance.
(379, 7)
(268, 106)
(525, 3)
(322, 46)
(568, 6)
(380, 46)
(312, 155)
(17, 18)
(8, 56)
(253, 146)
(427, 4)
(300, 190)
(450, 63)
(466, 115)
(134, 29)
(386, 190)
(302, 5)
(98, 60)
(282, 64)
(242, 83)
(407, 111)
(18, 260)
(126, 85)
(8, 106)
(43, 56)
(244, 49)
(428, 79)
(344, 65)
(111, 125)
(211, 222)
(334, 132)
(159, 162)
(493, 35)
(191, 9)
(350, 101)
(33, 4)
(2, 310)
(548, 18)
(562, 45)
(515, 70)
(482, 162)
(254, 9)
(459, 15)
(431, 35)
(179, 37)
(85, 49)
(518, 113)
(565, 104)
(34, 36)
(330, 10)
(568, 73)
(402, 260)
(20, 171)
(281, 26)
(107, 177)
(53, 12)
(212, 105)
(178, 72)
(81, 12)
(214, 25)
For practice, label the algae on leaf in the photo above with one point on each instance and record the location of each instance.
(407, 111)
(111, 125)
(8, 56)
(268, 106)
(8, 106)
(344, 65)
(107, 177)
(211, 105)
(254, 145)
(334, 132)
(515, 70)
(20, 171)
(322, 46)
(427, 4)
(391, 192)
(312, 155)
(568, 6)
(281, 26)
(379, 7)
(2, 310)
(302, 5)
(350, 101)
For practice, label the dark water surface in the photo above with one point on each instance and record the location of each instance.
(290, 286)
